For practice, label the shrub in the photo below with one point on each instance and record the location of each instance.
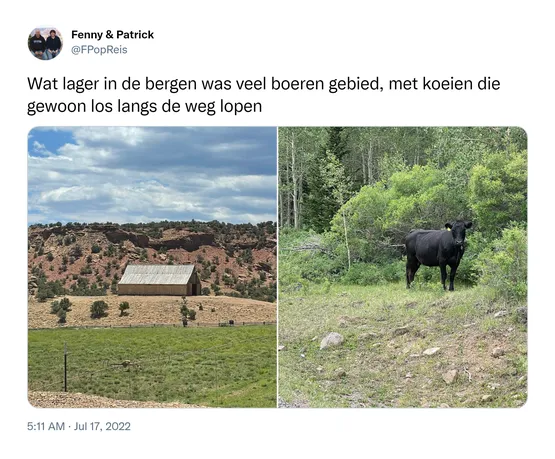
(77, 251)
(123, 307)
(504, 265)
(363, 274)
(42, 296)
(192, 314)
(95, 248)
(184, 310)
(50, 256)
(205, 291)
(65, 304)
(54, 307)
(98, 309)
(61, 316)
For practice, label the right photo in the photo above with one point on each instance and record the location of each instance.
(402, 267)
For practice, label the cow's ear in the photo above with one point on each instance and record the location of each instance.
(448, 225)
(468, 225)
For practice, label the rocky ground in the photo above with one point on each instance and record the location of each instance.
(77, 400)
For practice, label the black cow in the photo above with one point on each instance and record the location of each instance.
(436, 248)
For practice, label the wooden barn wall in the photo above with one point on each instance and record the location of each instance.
(145, 289)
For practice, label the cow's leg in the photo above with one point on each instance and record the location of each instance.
(443, 269)
(412, 266)
(416, 266)
(452, 277)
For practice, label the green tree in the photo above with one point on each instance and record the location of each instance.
(99, 309)
(123, 307)
(504, 264)
(498, 190)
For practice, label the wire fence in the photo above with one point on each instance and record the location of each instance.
(190, 324)
(217, 375)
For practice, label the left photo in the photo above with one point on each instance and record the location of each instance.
(152, 267)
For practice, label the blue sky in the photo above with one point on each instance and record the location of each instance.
(141, 174)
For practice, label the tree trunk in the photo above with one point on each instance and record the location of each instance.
(346, 240)
(295, 183)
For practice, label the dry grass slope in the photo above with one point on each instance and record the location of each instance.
(146, 310)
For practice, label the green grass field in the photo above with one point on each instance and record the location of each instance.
(386, 329)
(219, 367)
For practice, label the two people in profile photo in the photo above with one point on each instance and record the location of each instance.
(42, 48)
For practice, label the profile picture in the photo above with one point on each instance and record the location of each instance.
(45, 43)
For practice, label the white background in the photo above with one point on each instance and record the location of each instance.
(510, 41)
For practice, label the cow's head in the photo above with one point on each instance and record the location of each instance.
(458, 230)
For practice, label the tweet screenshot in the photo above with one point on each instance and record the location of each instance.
(247, 229)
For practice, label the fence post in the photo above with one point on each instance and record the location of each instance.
(65, 366)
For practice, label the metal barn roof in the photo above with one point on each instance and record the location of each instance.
(157, 274)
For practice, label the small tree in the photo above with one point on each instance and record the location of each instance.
(192, 314)
(65, 304)
(184, 310)
(42, 295)
(61, 308)
(61, 316)
(205, 291)
(123, 307)
(98, 309)
(55, 307)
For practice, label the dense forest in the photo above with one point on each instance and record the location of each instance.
(349, 196)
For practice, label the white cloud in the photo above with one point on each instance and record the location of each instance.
(147, 174)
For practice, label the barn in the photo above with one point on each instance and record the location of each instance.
(181, 280)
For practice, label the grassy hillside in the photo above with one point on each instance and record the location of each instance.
(481, 360)
(219, 367)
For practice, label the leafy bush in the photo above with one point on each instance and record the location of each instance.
(205, 291)
(504, 265)
(123, 307)
(184, 310)
(98, 309)
(63, 305)
(192, 314)
(307, 256)
(49, 289)
(498, 190)
(61, 316)
(363, 274)
(41, 296)
(54, 307)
